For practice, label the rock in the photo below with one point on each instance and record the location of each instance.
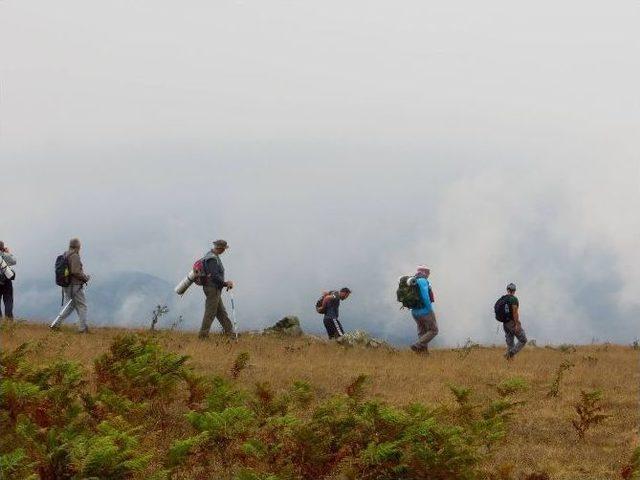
(289, 326)
(360, 338)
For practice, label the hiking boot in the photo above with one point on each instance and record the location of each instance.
(420, 351)
(84, 330)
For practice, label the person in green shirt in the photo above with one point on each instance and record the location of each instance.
(512, 326)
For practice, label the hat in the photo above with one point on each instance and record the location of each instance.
(512, 287)
(221, 244)
(423, 269)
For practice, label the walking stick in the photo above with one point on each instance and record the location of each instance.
(233, 315)
(66, 310)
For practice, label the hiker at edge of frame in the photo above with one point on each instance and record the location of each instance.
(6, 284)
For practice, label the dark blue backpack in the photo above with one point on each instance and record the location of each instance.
(63, 274)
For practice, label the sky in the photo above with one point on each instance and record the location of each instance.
(331, 144)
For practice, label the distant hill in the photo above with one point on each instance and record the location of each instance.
(122, 298)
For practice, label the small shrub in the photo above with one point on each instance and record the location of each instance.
(463, 399)
(240, 363)
(589, 411)
(635, 344)
(355, 390)
(157, 313)
(567, 348)
(511, 386)
(138, 368)
(554, 389)
(632, 471)
(465, 350)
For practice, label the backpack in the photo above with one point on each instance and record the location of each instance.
(199, 272)
(319, 307)
(63, 272)
(502, 309)
(408, 293)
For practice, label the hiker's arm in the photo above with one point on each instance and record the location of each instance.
(515, 312)
(423, 285)
(9, 259)
(327, 298)
(214, 270)
(75, 268)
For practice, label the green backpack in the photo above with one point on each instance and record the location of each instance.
(408, 293)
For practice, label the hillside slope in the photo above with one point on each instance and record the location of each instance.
(539, 438)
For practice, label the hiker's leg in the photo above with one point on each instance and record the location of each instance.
(428, 326)
(339, 327)
(1, 297)
(522, 340)
(432, 328)
(508, 336)
(210, 309)
(330, 325)
(223, 318)
(66, 296)
(80, 302)
(421, 325)
(8, 299)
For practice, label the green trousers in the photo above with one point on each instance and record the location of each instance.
(214, 308)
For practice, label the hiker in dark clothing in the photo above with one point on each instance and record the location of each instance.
(6, 284)
(212, 287)
(331, 307)
(511, 323)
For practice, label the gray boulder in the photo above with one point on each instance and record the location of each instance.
(360, 338)
(289, 327)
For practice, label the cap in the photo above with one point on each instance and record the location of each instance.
(512, 287)
(221, 244)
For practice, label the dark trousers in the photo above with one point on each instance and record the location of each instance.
(334, 327)
(6, 295)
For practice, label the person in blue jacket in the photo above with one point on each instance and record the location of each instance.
(425, 317)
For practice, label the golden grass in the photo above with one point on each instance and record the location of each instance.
(540, 438)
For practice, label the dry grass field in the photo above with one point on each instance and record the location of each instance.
(540, 436)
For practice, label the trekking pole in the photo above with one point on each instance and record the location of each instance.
(233, 315)
(66, 310)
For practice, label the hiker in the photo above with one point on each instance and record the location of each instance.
(212, 285)
(507, 311)
(73, 281)
(329, 304)
(424, 315)
(6, 284)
